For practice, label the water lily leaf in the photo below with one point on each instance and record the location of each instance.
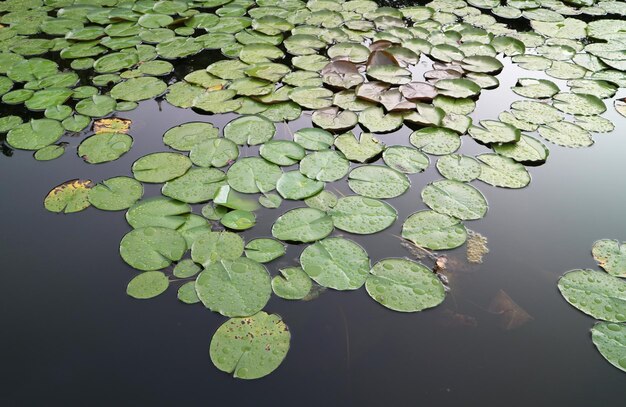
(294, 185)
(404, 285)
(598, 88)
(481, 64)
(458, 167)
(302, 225)
(371, 91)
(361, 215)
(527, 150)
(535, 88)
(566, 70)
(96, 106)
(595, 293)
(10, 122)
(238, 219)
(446, 53)
(572, 103)
(253, 174)
(47, 98)
(377, 181)
(570, 28)
(292, 284)
(152, 248)
(136, 89)
(611, 256)
(457, 88)
(76, 123)
(237, 287)
(69, 197)
(250, 130)
(456, 199)
(268, 71)
(493, 131)
(187, 293)
(17, 97)
(341, 74)
(270, 201)
(566, 134)
(195, 186)
(326, 166)
(35, 134)
(217, 101)
(160, 167)
(314, 139)
(350, 51)
(334, 119)
(535, 112)
(186, 268)
(392, 74)
(433, 230)
(483, 80)
(111, 125)
(214, 247)
(147, 285)
(50, 152)
(418, 91)
(336, 263)
(104, 147)
(435, 140)
(502, 171)
(217, 152)
(311, 97)
(610, 340)
(32, 69)
(596, 124)
(376, 121)
(264, 250)
(178, 48)
(251, 347)
(115, 62)
(405, 159)
(186, 136)
(115, 194)
(361, 150)
(282, 152)
(228, 198)
(426, 115)
(158, 211)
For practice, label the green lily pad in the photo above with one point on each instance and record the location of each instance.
(435, 140)
(105, 147)
(404, 285)
(334, 119)
(314, 139)
(50, 152)
(152, 248)
(214, 247)
(405, 159)
(566, 134)
(493, 131)
(251, 130)
(376, 121)
(217, 152)
(361, 150)
(252, 347)
(595, 293)
(361, 215)
(186, 136)
(611, 256)
(294, 185)
(502, 171)
(69, 197)
(234, 288)
(526, 150)
(96, 106)
(195, 186)
(292, 284)
(282, 152)
(136, 89)
(336, 263)
(238, 219)
(35, 134)
(187, 293)
(160, 167)
(147, 285)
(302, 225)
(573, 103)
(456, 199)
(253, 174)
(458, 167)
(610, 340)
(433, 230)
(186, 268)
(115, 194)
(535, 88)
(264, 250)
(377, 181)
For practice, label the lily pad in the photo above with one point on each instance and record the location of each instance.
(186, 136)
(251, 130)
(264, 250)
(115, 194)
(215, 247)
(195, 186)
(456, 199)
(611, 256)
(433, 230)
(302, 225)
(105, 147)
(435, 140)
(69, 197)
(148, 284)
(35, 134)
(405, 159)
(502, 171)
(610, 340)
(136, 89)
(160, 167)
(361, 215)
(292, 284)
(377, 181)
(152, 248)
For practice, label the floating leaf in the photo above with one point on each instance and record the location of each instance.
(186, 268)
(336, 263)
(376, 121)
(251, 347)
(435, 140)
(186, 136)
(187, 293)
(361, 150)
(104, 147)
(334, 119)
(69, 197)
(302, 225)
(292, 284)
(361, 215)
(404, 285)
(405, 159)
(611, 256)
(250, 130)
(238, 287)
(152, 248)
(377, 181)
(264, 250)
(434, 230)
(160, 167)
(195, 186)
(314, 139)
(253, 174)
(158, 211)
(148, 284)
(595, 293)
(115, 194)
(610, 340)
(326, 166)
(136, 89)
(214, 247)
(35, 134)
(456, 199)
(50, 152)
(526, 150)
(502, 171)
(294, 185)
(238, 220)
(566, 134)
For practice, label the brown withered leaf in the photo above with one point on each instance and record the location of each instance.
(476, 247)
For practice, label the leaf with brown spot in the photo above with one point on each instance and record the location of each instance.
(69, 197)
(111, 125)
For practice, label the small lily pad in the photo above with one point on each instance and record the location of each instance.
(292, 284)
(69, 197)
(147, 285)
(152, 248)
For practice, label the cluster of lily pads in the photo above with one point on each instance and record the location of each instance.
(354, 65)
(602, 294)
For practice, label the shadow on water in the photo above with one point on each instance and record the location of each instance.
(71, 336)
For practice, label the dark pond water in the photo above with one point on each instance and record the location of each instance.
(71, 336)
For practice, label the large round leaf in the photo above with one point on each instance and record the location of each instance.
(137, 89)
(250, 347)
(35, 134)
(404, 285)
(250, 130)
(148, 284)
(115, 194)
(610, 340)
(611, 256)
(158, 211)
(196, 185)
(292, 283)
(456, 199)
(434, 230)
(152, 248)
(253, 174)
(69, 197)
(105, 147)
(377, 181)
(214, 247)
(160, 167)
(234, 288)
(302, 225)
(361, 215)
